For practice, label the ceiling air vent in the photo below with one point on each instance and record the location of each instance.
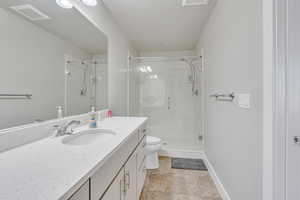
(30, 12)
(194, 2)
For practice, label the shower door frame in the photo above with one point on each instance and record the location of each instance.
(202, 92)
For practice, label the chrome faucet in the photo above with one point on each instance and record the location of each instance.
(64, 130)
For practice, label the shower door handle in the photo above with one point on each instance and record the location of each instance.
(169, 103)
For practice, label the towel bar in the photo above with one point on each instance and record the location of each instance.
(15, 96)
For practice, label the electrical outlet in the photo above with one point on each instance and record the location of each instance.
(244, 100)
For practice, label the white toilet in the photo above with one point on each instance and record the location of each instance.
(153, 146)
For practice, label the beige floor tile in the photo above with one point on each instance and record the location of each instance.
(166, 183)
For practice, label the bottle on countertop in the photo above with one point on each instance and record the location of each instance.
(101, 115)
(109, 113)
(93, 118)
(59, 112)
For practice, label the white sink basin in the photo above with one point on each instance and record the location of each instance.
(89, 136)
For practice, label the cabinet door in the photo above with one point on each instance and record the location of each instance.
(102, 178)
(141, 175)
(130, 178)
(116, 190)
(141, 169)
(140, 151)
(83, 193)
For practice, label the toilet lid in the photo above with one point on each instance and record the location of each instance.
(153, 140)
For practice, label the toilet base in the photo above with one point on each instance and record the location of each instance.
(152, 161)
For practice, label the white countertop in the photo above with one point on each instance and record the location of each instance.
(49, 170)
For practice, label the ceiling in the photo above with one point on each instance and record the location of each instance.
(160, 25)
(67, 24)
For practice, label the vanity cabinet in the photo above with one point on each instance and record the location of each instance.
(116, 190)
(124, 186)
(141, 168)
(83, 193)
(103, 177)
(122, 176)
(130, 178)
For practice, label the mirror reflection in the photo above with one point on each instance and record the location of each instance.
(53, 61)
(85, 82)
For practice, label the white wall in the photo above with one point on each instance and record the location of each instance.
(32, 61)
(118, 51)
(232, 48)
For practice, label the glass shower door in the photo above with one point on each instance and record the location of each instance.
(166, 98)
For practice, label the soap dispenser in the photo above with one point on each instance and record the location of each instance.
(93, 118)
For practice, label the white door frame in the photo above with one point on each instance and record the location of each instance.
(274, 119)
(274, 99)
(268, 17)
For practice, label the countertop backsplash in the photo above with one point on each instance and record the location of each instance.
(22, 135)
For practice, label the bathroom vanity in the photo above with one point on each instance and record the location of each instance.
(107, 168)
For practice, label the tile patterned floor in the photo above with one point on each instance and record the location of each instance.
(166, 183)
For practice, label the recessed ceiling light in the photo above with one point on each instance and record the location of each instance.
(143, 69)
(64, 4)
(153, 76)
(90, 2)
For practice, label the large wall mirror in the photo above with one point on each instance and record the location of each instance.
(50, 57)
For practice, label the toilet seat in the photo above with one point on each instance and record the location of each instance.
(150, 140)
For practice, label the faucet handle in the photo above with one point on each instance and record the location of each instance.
(68, 127)
(57, 129)
(76, 122)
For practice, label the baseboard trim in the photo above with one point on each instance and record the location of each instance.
(180, 153)
(217, 181)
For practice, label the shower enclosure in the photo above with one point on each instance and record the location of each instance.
(170, 94)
